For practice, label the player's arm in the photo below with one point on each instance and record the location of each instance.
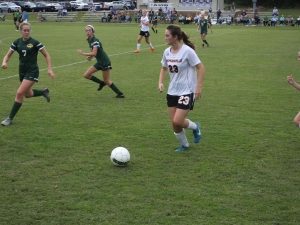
(7, 58)
(92, 53)
(162, 74)
(48, 61)
(292, 82)
(200, 69)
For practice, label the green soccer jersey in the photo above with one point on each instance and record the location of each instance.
(203, 24)
(101, 56)
(28, 52)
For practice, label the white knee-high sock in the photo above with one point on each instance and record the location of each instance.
(150, 44)
(138, 46)
(182, 138)
(192, 125)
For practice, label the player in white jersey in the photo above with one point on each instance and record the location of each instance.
(186, 81)
(144, 32)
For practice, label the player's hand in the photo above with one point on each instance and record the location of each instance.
(290, 79)
(4, 66)
(51, 73)
(80, 51)
(161, 87)
(198, 94)
(89, 58)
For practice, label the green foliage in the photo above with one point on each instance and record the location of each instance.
(266, 3)
(55, 167)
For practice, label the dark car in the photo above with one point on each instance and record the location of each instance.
(44, 7)
(26, 6)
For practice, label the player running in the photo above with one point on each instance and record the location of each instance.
(103, 62)
(296, 85)
(144, 32)
(28, 49)
(203, 26)
(186, 82)
(154, 23)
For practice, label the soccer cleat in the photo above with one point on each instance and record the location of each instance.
(46, 94)
(137, 51)
(152, 49)
(202, 45)
(120, 96)
(181, 148)
(6, 122)
(197, 134)
(101, 85)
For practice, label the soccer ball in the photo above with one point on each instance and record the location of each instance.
(120, 156)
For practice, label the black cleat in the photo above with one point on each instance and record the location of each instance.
(101, 85)
(202, 45)
(46, 94)
(120, 96)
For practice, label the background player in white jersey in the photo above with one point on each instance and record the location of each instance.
(186, 82)
(144, 32)
(296, 85)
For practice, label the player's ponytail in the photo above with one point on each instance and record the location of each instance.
(176, 31)
(187, 41)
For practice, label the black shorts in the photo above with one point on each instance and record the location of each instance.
(185, 102)
(145, 33)
(99, 66)
(32, 75)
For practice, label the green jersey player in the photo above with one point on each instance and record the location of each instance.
(203, 26)
(103, 62)
(28, 49)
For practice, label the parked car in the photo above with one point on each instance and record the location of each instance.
(9, 7)
(57, 6)
(67, 6)
(26, 6)
(115, 5)
(129, 4)
(44, 7)
(80, 5)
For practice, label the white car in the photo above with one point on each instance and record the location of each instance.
(9, 7)
(56, 5)
(115, 5)
(79, 5)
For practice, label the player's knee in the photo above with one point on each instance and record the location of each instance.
(87, 76)
(177, 123)
(107, 82)
(20, 95)
(297, 121)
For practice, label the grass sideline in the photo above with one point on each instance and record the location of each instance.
(54, 164)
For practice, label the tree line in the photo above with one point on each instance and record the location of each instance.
(266, 3)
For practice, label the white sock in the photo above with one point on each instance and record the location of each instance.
(138, 46)
(150, 44)
(182, 138)
(192, 125)
(299, 125)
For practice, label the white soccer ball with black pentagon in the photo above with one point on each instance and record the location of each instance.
(120, 156)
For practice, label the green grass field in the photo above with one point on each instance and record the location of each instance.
(54, 159)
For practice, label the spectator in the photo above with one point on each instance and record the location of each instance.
(274, 21)
(232, 7)
(298, 21)
(64, 12)
(282, 20)
(181, 19)
(275, 12)
(128, 18)
(219, 13)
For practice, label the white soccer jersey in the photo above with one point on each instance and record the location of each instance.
(144, 19)
(181, 66)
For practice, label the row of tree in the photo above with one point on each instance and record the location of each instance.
(266, 3)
